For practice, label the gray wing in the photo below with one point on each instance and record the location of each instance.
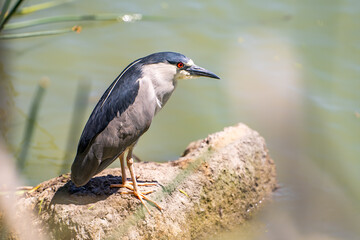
(115, 124)
(116, 99)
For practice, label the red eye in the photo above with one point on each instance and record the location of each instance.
(180, 65)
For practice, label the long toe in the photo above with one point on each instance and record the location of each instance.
(143, 193)
(141, 196)
(145, 183)
(127, 185)
(147, 199)
(142, 183)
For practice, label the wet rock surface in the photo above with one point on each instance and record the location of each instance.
(217, 185)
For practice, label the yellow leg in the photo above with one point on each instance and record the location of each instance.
(123, 172)
(126, 183)
(136, 192)
(122, 161)
(133, 186)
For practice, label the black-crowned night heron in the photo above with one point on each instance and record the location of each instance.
(125, 112)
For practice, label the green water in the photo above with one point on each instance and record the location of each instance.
(289, 69)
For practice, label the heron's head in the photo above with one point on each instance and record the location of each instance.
(173, 66)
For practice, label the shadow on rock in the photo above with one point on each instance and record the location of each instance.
(97, 189)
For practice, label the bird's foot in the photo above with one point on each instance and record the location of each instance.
(138, 194)
(129, 185)
(141, 196)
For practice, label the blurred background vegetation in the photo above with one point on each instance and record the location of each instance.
(289, 69)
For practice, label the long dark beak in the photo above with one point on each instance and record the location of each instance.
(197, 71)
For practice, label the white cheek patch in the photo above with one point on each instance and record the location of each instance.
(184, 75)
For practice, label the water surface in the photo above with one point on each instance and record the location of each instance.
(289, 69)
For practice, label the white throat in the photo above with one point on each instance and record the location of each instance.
(163, 81)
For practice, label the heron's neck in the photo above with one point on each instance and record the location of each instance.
(162, 78)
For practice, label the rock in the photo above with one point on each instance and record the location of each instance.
(217, 185)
